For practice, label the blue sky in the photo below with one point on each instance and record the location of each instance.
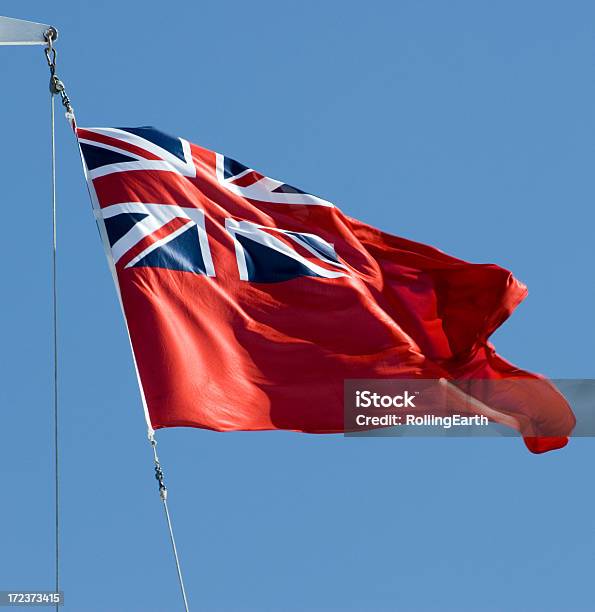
(467, 125)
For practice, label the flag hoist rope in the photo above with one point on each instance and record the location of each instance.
(57, 88)
(50, 54)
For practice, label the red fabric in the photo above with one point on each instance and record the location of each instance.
(228, 354)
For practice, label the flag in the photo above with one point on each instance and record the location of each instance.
(249, 302)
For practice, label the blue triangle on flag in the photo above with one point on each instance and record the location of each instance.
(161, 139)
(231, 167)
(266, 265)
(326, 250)
(119, 225)
(285, 188)
(181, 253)
(95, 157)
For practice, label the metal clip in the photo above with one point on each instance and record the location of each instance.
(50, 52)
(159, 476)
(56, 85)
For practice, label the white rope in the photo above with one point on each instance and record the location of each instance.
(163, 495)
(55, 347)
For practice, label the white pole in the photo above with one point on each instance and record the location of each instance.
(19, 32)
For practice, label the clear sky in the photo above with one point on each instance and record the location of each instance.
(465, 124)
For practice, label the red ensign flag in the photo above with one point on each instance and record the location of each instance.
(249, 302)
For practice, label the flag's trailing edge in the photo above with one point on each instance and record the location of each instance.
(248, 301)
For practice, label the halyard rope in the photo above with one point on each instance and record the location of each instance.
(51, 57)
